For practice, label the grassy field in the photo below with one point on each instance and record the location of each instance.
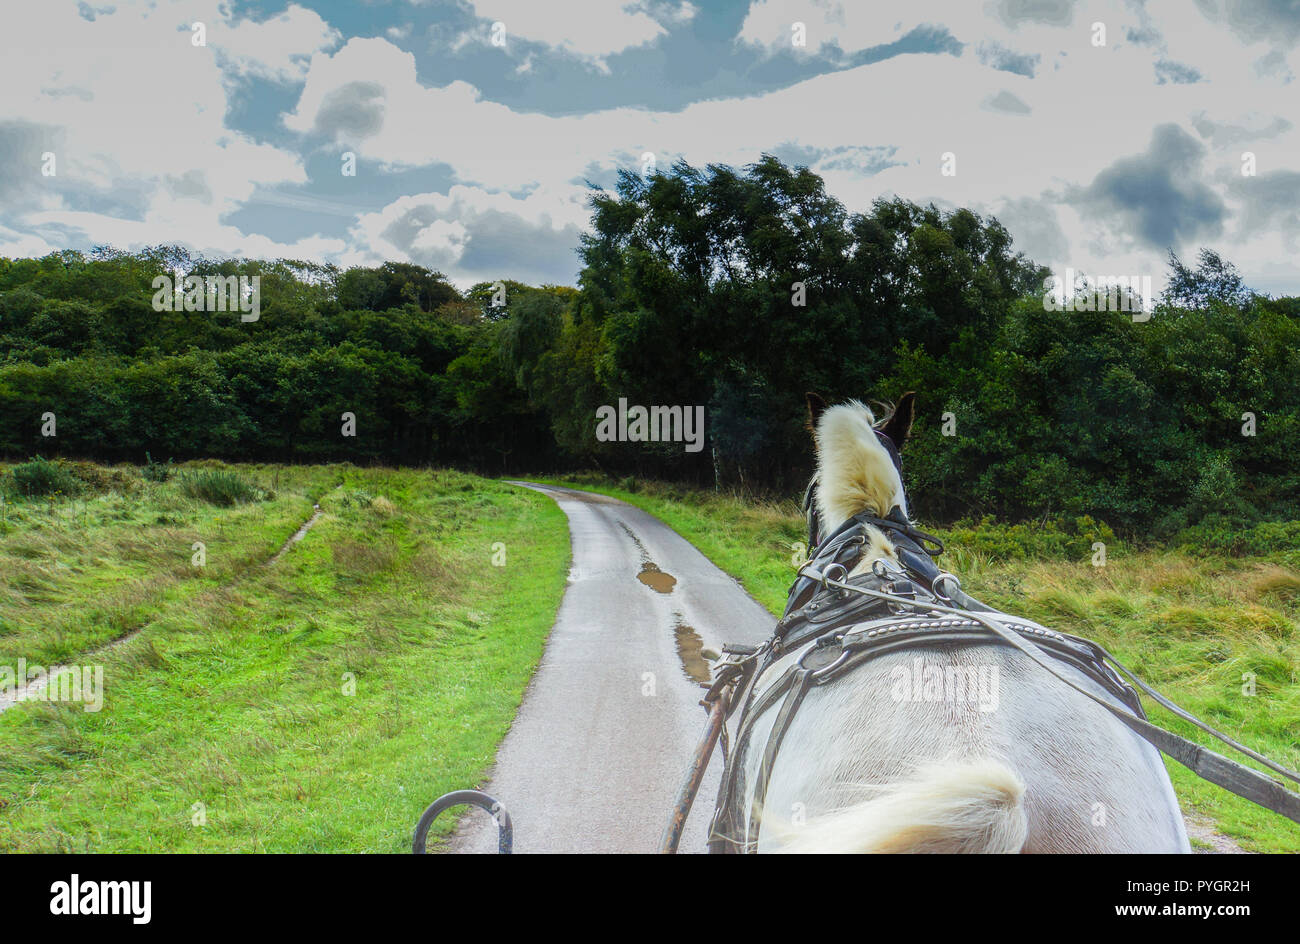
(315, 703)
(1188, 623)
(318, 702)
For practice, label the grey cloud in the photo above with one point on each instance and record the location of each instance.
(23, 188)
(1044, 12)
(1006, 103)
(1144, 35)
(65, 91)
(494, 243)
(1276, 21)
(21, 146)
(1222, 134)
(1008, 60)
(502, 242)
(1271, 201)
(1156, 196)
(865, 160)
(193, 183)
(1168, 71)
(1273, 64)
(1035, 229)
(354, 110)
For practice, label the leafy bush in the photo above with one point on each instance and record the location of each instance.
(1223, 535)
(156, 471)
(41, 477)
(1052, 538)
(221, 487)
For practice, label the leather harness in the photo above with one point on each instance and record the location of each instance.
(834, 623)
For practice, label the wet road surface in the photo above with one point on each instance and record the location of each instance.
(602, 740)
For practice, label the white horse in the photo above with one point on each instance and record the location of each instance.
(893, 758)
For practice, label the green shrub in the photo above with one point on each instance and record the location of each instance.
(41, 477)
(156, 471)
(1218, 534)
(221, 487)
(1053, 538)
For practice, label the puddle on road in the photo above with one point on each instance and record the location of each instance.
(656, 579)
(690, 650)
(690, 645)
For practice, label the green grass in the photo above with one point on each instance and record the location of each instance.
(1189, 623)
(78, 573)
(220, 487)
(231, 688)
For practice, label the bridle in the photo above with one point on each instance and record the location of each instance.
(914, 548)
(810, 493)
(834, 623)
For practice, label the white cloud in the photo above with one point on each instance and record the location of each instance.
(856, 26)
(135, 114)
(14, 245)
(919, 106)
(174, 171)
(278, 48)
(471, 235)
(683, 13)
(441, 237)
(592, 29)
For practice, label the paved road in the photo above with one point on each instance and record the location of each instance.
(600, 744)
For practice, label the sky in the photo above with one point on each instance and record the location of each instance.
(1102, 134)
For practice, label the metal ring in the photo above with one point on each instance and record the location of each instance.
(937, 583)
(826, 574)
(827, 670)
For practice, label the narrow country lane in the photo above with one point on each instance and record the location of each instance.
(607, 726)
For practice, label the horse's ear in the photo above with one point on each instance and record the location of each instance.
(816, 407)
(899, 425)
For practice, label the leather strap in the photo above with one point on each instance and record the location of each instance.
(798, 688)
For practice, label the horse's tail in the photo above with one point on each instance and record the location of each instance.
(975, 806)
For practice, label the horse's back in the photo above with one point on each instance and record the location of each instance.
(885, 733)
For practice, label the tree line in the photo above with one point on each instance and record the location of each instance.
(732, 289)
